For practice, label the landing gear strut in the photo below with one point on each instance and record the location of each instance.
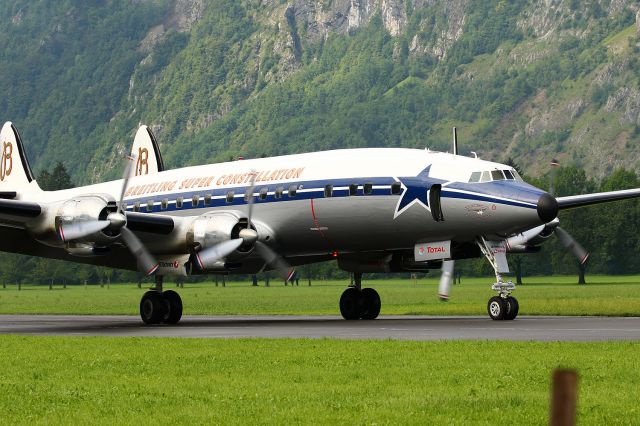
(158, 307)
(358, 303)
(503, 306)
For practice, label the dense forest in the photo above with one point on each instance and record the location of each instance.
(522, 80)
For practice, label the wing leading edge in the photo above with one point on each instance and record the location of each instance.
(574, 201)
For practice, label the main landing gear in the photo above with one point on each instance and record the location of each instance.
(503, 306)
(158, 307)
(358, 303)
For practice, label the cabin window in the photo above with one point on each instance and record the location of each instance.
(396, 188)
(486, 177)
(179, 202)
(195, 200)
(164, 204)
(353, 189)
(150, 205)
(229, 197)
(124, 206)
(367, 188)
(279, 192)
(475, 177)
(248, 195)
(497, 175)
(293, 189)
(508, 175)
(328, 190)
(136, 206)
(263, 193)
(207, 199)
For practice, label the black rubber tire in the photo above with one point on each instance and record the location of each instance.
(153, 307)
(512, 308)
(174, 304)
(497, 307)
(371, 304)
(351, 303)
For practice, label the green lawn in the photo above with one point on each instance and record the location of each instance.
(97, 380)
(539, 296)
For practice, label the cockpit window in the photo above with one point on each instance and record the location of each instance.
(508, 175)
(475, 177)
(516, 174)
(497, 175)
(486, 177)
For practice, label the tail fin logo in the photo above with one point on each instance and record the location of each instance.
(6, 165)
(142, 161)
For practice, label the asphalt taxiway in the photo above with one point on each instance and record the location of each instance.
(533, 328)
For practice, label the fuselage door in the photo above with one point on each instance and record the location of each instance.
(434, 202)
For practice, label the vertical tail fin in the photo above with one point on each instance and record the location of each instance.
(146, 151)
(15, 172)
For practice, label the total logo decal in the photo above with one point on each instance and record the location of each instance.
(432, 251)
(173, 264)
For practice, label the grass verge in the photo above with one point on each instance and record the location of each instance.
(97, 380)
(539, 296)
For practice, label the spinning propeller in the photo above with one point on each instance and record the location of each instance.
(117, 224)
(247, 236)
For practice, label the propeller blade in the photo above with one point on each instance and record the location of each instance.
(572, 245)
(212, 254)
(250, 198)
(274, 260)
(524, 237)
(74, 231)
(125, 180)
(146, 262)
(445, 280)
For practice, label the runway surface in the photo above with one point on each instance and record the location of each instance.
(390, 327)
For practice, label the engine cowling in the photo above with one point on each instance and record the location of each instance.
(86, 210)
(212, 229)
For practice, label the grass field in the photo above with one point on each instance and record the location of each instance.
(604, 295)
(56, 380)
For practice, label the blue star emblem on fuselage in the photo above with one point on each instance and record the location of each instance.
(415, 190)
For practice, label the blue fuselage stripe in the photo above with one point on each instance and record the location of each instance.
(307, 190)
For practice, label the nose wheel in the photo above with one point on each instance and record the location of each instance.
(358, 303)
(503, 308)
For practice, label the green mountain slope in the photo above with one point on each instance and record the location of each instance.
(225, 78)
(527, 80)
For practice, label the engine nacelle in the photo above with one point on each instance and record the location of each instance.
(85, 209)
(81, 209)
(211, 229)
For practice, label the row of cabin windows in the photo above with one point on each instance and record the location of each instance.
(367, 189)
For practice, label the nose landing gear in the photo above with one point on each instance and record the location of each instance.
(503, 306)
(358, 303)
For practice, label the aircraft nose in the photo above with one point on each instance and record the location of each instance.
(547, 208)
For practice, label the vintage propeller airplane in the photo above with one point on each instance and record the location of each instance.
(372, 209)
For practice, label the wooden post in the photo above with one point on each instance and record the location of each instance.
(564, 397)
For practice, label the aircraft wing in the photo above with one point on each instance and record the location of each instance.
(16, 213)
(152, 223)
(574, 201)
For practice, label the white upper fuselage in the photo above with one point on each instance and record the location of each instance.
(341, 201)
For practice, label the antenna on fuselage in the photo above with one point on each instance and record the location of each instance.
(455, 141)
